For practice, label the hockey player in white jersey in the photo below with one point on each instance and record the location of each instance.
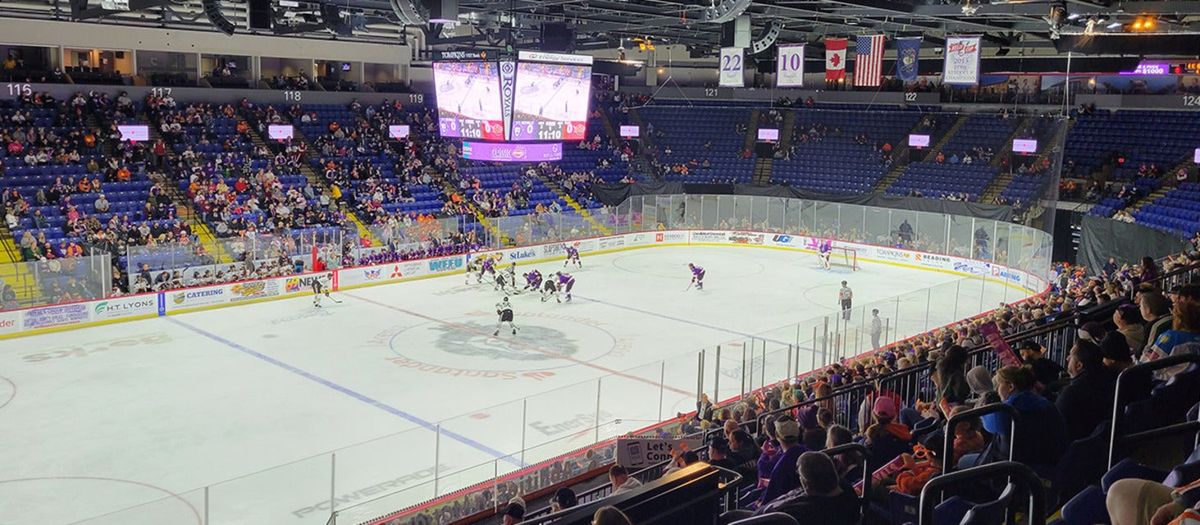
(320, 286)
(504, 309)
(549, 289)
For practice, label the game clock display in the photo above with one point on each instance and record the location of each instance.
(530, 130)
(470, 128)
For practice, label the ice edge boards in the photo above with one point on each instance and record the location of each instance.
(276, 288)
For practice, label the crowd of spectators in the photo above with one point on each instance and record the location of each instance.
(1056, 404)
(299, 82)
(90, 222)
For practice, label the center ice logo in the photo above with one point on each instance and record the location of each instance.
(464, 347)
(473, 339)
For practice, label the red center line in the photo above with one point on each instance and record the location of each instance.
(518, 342)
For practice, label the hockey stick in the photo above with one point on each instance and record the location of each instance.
(689, 286)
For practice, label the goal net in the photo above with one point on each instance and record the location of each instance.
(845, 257)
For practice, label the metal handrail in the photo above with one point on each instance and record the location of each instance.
(1009, 469)
(729, 479)
(861, 450)
(948, 441)
(596, 492)
(1141, 369)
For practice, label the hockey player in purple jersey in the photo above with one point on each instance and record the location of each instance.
(572, 257)
(533, 280)
(488, 267)
(697, 276)
(825, 252)
(565, 284)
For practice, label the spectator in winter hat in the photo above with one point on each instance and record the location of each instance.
(1115, 350)
(1045, 371)
(1091, 332)
(515, 512)
(1129, 323)
(564, 498)
(783, 476)
(886, 438)
(982, 390)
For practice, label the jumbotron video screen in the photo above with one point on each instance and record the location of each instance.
(469, 100)
(551, 101)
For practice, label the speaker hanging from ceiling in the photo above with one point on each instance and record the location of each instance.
(260, 14)
(212, 10)
(774, 28)
(410, 13)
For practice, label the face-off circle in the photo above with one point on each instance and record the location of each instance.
(8, 391)
(541, 343)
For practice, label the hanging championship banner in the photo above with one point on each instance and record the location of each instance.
(732, 67)
(789, 66)
(962, 61)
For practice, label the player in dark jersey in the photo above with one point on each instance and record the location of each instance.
(572, 257)
(565, 283)
(697, 276)
(487, 267)
(533, 280)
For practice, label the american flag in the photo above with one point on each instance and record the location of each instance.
(868, 60)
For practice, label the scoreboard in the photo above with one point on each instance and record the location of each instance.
(536, 97)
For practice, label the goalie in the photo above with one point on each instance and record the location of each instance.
(824, 252)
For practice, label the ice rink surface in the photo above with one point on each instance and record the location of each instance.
(397, 379)
(552, 97)
(472, 96)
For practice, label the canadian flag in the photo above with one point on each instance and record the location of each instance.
(835, 59)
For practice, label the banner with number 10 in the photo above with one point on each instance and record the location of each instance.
(732, 67)
(789, 66)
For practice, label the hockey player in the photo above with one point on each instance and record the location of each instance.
(533, 281)
(697, 276)
(501, 282)
(824, 252)
(487, 267)
(505, 311)
(320, 286)
(511, 275)
(565, 283)
(572, 256)
(549, 289)
(473, 266)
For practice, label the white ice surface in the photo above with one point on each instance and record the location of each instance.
(107, 418)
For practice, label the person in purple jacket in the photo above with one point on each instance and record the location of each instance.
(697, 276)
